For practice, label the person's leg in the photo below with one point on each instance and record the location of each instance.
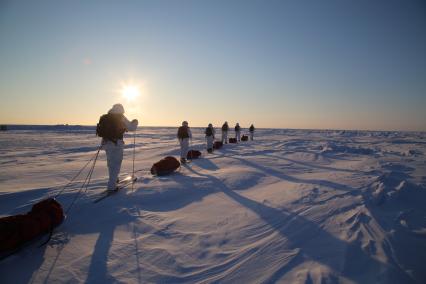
(114, 160)
(209, 144)
(226, 137)
(184, 145)
(182, 149)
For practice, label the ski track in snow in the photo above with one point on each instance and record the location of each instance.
(293, 206)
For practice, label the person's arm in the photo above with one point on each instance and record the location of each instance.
(189, 133)
(130, 125)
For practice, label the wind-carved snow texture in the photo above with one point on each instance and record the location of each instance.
(293, 206)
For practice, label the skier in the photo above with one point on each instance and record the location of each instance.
(210, 137)
(225, 129)
(238, 132)
(251, 129)
(111, 128)
(183, 135)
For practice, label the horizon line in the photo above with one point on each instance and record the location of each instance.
(175, 126)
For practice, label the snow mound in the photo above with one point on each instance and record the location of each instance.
(331, 148)
(393, 187)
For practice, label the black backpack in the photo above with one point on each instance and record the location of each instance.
(209, 131)
(111, 127)
(183, 132)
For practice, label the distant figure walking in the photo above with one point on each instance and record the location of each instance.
(225, 129)
(111, 128)
(210, 137)
(251, 129)
(238, 132)
(183, 135)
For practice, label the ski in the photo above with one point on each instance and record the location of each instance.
(121, 184)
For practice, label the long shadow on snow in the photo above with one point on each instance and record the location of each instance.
(268, 153)
(191, 189)
(285, 177)
(157, 200)
(317, 166)
(205, 164)
(314, 242)
(30, 258)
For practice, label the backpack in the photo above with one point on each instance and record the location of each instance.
(244, 138)
(19, 229)
(111, 127)
(165, 166)
(217, 145)
(183, 132)
(193, 154)
(209, 131)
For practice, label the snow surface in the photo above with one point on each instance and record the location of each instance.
(293, 206)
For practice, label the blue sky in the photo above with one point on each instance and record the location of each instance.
(291, 64)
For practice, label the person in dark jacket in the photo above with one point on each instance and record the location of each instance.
(183, 135)
(238, 132)
(210, 137)
(225, 129)
(251, 129)
(114, 146)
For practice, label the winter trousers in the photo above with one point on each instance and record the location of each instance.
(225, 137)
(238, 135)
(184, 145)
(210, 140)
(114, 155)
(251, 135)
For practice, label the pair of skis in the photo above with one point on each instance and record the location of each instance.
(129, 180)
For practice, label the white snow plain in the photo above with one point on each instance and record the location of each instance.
(293, 206)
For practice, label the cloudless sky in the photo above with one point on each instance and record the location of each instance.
(290, 64)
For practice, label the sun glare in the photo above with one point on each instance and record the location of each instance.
(130, 92)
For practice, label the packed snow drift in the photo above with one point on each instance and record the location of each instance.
(292, 206)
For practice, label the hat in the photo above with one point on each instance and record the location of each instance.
(117, 108)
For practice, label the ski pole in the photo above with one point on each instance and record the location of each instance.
(133, 166)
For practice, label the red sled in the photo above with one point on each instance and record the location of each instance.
(165, 166)
(193, 154)
(17, 230)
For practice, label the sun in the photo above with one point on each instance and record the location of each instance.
(130, 92)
